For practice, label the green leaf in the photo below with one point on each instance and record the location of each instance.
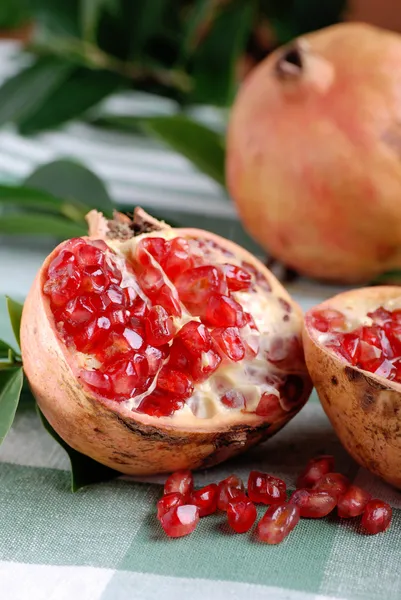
(84, 470)
(22, 94)
(70, 180)
(90, 13)
(4, 349)
(84, 89)
(215, 61)
(10, 389)
(150, 17)
(201, 12)
(40, 224)
(24, 197)
(60, 17)
(15, 313)
(390, 277)
(202, 146)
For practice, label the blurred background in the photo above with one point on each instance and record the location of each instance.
(107, 103)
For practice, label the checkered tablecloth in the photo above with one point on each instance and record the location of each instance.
(104, 542)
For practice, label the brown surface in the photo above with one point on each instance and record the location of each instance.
(384, 13)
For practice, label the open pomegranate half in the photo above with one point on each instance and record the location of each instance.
(153, 349)
(353, 352)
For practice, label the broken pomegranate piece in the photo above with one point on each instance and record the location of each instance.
(241, 513)
(376, 517)
(180, 520)
(266, 489)
(278, 522)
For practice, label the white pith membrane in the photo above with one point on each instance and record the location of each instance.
(277, 323)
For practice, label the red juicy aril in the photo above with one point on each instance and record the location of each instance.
(353, 351)
(155, 349)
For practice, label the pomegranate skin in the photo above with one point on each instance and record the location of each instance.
(131, 442)
(364, 408)
(313, 153)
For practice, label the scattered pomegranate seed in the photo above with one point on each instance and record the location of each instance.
(167, 502)
(266, 489)
(181, 482)
(159, 326)
(313, 504)
(334, 483)
(180, 520)
(278, 522)
(377, 516)
(237, 278)
(241, 513)
(228, 489)
(352, 503)
(205, 499)
(314, 471)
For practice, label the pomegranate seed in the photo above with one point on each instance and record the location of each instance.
(79, 310)
(159, 326)
(126, 376)
(60, 262)
(180, 520)
(313, 504)
(96, 380)
(334, 483)
(181, 482)
(194, 286)
(151, 280)
(277, 522)
(159, 404)
(135, 338)
(314, 471)
(327, 320)
(237, 278)
(229, 341)
(241, 513)
(266, 489)
(118, 318)
(269, 406)
(89, 256)
(63, 286)
(377, 516)
(74, 244)
(114, 294)
(179, 357)
(205, 365)
(233, 399)
(168, 502)
(352, 502)
(155, 246)
(228, 489)
(205, 499)
(381, 316)
(138, 308)
(95, 334)
(224, 311)
(175, 382)
(177, 258)
(113, 272)
(167, 300)
(195, 337)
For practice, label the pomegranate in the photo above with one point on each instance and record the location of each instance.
(150, 348)
(353, 351)
(278, 522)
(313, 153)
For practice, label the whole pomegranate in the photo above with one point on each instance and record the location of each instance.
(153, 349)
(314, 153)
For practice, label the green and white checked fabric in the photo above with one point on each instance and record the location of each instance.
(104, 542)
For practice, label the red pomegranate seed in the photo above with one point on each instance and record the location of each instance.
(59, 263)
(313, 504)
(237, 278)
(278, 522)
(63, 286)
(159, 326)
(181, 482)
(195, 285)
(229, 341)
(138, 308)
(160, 404)
(114, 294)
(118, 318)
(96, 380)
(93, 335)
(233, 399)
(377, 516)
(166, 299)
(266, 489)
(168, 502)
(223, 311)
(381, 316)
(205, 499)
(241, 514)
(113, 272)
(154, 245)
(229, 488)
(269, 406)
(195, 337)
(79, 310)
(314, 470)
(180, 520)
(180, 358)
(127, 376)
(74, 244)
(89, 256)
(334, 483)
(205, 365)
(175, 382)
(327, 320)
(352, 502)
(177, 258)
(151, 280)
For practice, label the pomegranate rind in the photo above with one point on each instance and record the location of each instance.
(130, 442)
(364, 408)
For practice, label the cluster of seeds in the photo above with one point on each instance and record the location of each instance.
(375, 347)
(152, 325)
(319, 491)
